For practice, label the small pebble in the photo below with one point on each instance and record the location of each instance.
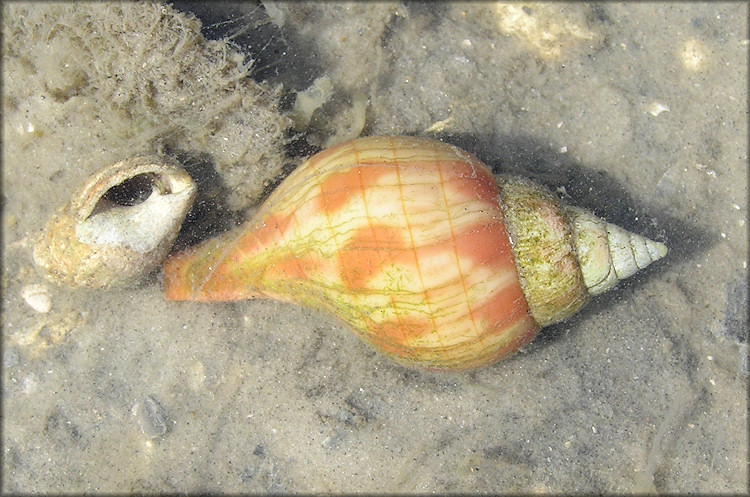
(656, 108)
(153, 418)
(37, 296)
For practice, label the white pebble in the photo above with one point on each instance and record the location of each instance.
(656, 108)
(37, 296)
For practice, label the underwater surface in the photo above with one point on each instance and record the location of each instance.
(636, 112)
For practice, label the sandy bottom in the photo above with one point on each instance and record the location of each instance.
(641, 117)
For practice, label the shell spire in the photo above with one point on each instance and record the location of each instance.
(565, 254)
(608, 253)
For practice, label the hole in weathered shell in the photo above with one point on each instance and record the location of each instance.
(132, 191)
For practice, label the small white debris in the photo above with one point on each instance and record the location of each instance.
(311, 99)
(30, 384)
(655, 108)
(439, 126)
(704, 168)
(37, 296)
(694, 55)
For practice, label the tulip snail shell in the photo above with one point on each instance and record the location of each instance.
(417, 246)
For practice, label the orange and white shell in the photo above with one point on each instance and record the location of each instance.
(416, 246)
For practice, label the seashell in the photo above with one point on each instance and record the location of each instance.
(37, 296)
(98, 240)
(419, 248)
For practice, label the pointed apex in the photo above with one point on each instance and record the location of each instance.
(608, 253)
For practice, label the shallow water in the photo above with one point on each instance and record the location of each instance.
(637, 112)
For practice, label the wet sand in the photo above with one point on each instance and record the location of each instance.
(637, 112)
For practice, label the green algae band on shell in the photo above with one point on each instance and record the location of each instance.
(118, 227)
(419, 249)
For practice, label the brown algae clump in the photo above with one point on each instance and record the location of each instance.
(128, 79)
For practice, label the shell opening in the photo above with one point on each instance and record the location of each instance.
(141, 227)
(139, 212)
(138, 189)
(132, 191)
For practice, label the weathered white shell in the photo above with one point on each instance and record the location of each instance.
(608, 253)
(94, 242)
(37, 296)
